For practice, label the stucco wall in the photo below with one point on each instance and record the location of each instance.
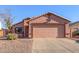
(67, 31)
(1, 33)
(53, 20)
(74, 28)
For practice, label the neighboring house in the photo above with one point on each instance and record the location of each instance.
(3, 32)
(47, 25)
(73, 28)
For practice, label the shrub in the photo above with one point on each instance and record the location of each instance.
(76, 32)
(11, 36)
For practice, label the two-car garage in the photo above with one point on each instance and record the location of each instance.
(49, 26)
(48, 31)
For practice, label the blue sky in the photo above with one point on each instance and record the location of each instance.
(23, 11)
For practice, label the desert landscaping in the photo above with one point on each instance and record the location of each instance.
(46, 33)
(39, 45)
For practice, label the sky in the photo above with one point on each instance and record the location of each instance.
(19, 12)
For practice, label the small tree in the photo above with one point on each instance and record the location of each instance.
(6, 17)
(8, 24)
(76, 32)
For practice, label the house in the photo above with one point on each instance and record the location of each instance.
(48, 25)
(74, 27)
(22, 28)
(3, 32)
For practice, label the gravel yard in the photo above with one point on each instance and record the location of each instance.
(16, 46)
(39, 45)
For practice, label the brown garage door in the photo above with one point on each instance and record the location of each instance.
(48, 31)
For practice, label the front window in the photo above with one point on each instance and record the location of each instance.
(19, 30)
(76, 28)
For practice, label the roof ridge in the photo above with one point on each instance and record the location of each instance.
(28, 18)
(74, 23)
(52, 14)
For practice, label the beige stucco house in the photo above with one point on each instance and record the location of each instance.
(47, 25)
(74, 27)
(3, 32)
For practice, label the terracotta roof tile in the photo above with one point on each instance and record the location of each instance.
(33, 18)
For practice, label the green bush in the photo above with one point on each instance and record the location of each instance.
(76, 32)
(11, 36)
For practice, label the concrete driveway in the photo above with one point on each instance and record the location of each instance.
(55, 45)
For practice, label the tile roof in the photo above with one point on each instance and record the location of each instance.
(71, 24)
(49, 13)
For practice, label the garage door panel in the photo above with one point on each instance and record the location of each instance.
(47, 31)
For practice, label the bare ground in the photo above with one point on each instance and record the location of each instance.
(39, 45)
(16, 46)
